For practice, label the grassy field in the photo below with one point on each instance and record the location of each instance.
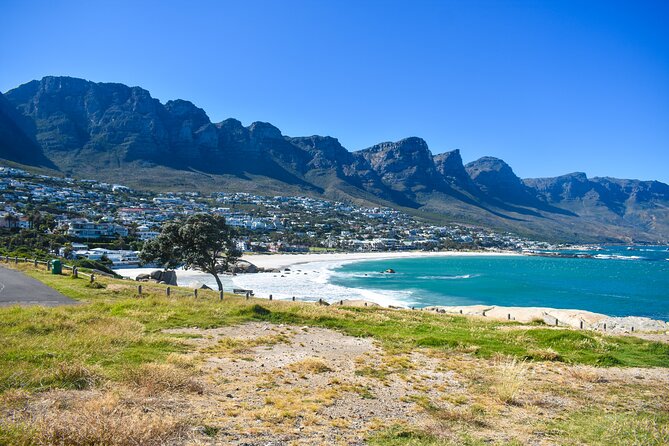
(116, 337)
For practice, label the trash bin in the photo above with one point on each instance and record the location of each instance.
(56, 267)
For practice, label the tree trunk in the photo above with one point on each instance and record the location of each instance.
(218, 281)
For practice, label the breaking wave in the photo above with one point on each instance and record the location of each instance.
(459, 277)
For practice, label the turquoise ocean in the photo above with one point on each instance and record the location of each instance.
(619, 281)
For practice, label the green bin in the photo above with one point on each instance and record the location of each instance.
(56, 267)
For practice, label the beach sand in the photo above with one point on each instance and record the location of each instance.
(280, 261)
(308, 280)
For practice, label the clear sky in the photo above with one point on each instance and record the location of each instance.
(551, 87)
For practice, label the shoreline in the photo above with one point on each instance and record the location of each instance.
(281, 261)
(557, 317)
(308, 277)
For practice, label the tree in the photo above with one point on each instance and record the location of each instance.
(203, 241)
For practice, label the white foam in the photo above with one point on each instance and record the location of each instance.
(463, 276)
(616, 257)
(314, 285)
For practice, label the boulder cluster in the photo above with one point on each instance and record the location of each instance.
(165, 277)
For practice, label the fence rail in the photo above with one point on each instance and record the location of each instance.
(47, 263)
(143, 289)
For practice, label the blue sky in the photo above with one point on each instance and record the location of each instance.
(550, 87)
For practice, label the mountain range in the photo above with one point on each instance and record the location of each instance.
(112, 132)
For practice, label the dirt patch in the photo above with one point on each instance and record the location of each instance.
(260, 384)
(300, 385)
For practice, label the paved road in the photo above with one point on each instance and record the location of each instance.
(17, 288)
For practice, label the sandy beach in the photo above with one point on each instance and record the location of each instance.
(306, 277)
(309, 276)
(278, 261)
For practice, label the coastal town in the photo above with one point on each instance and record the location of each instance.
(100, 221)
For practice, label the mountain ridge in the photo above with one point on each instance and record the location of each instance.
(111, 131)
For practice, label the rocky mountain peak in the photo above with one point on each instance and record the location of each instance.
(487, 166)
(403, 165)
(450, 164)
(264, 130)
(565, 187)
(326, 151)
(497, 180)
(186, 109)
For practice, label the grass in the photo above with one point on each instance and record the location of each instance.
(232, 346)
(115, 342)
(511, 376)
(595, 427)
(309, 365)
(405, 436)
(155, 378)
(99, 420)
(116, 330)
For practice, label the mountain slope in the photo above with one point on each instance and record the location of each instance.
(16, 143)
(117, 133)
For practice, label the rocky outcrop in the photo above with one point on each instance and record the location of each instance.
(244, 267)
(17, 142)
(450, 166)
(616, 195)
(566, 187)
(405, 165)
(168, 277)
(497, 181)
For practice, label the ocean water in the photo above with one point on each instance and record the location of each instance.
(618, 282)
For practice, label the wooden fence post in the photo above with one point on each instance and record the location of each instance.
(75, 272)
(16, 260)
(35, 262)
(167, 291)
(270, 297)
(92, 277)
(139, 289)
(195, 293)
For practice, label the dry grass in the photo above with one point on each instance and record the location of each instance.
(78, 375)
(103, 420)
(544, 354)
(183, 361)
(309, 365)
(14, 398)
(283, 408)
(236, 346)
(153, 379)
(510, 378)
(581, 373)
